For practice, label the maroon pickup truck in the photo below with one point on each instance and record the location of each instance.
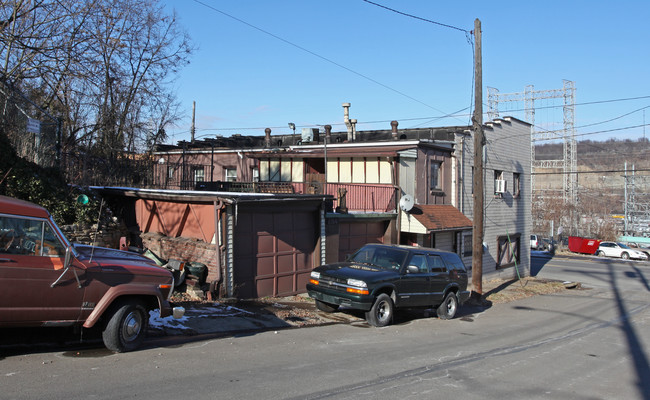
(46, 281)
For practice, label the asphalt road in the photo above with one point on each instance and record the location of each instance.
(589, 343)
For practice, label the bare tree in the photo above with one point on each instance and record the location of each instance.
(106, 67)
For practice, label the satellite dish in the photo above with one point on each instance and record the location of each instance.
(406, 203)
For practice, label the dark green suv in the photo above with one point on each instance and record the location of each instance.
(379, 278)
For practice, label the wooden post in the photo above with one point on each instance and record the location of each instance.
(478, 189)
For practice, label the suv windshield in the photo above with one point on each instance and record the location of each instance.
(382, 257)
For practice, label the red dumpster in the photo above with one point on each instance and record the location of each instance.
(583, 245)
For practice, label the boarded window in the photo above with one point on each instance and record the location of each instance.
(508, 250)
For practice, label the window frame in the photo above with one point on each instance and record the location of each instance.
(226, 174)
(516, 184)
(435, 175)
(505, 251)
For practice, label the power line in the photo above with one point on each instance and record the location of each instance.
(419, 18)
(318, 56)
(591, 172)
(596, 133)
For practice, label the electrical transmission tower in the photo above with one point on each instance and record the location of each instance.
(569, 162)
(637, 211)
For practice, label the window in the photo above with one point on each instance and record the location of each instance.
(436, 181)
(278, 170)
(508, 250)
(255, 173)
(467, 246)
(29, 237)
(418, 260)
(170, 172)
(454, 262)
(436, 263)
(499, 186)
(516, 184)
(199, 174)
(231, 175)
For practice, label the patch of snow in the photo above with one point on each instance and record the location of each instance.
(156, 322)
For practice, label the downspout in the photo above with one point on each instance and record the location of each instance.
(218, 206)
(323, 234)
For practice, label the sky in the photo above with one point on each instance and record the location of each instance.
(262, 64)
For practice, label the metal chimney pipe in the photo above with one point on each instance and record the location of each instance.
(328, 133)
(353, 122)
(267, 138)
(346, 119)
(393, 127)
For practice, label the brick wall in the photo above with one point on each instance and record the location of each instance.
(183, 249)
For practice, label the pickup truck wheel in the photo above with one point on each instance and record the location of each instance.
(326, 307)
(448, 308)
(381, 313)
(126, 327)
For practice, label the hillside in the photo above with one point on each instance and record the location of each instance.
(601, 178)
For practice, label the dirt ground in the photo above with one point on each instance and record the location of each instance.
(300, 310)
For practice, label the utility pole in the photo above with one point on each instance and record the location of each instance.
(477, 184)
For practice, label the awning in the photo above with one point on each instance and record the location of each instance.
(434, 218)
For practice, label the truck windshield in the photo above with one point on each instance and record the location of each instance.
(382, 257)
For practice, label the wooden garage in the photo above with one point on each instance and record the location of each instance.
(275, 249)
(267, 243)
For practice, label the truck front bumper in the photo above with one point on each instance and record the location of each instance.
(357, 302)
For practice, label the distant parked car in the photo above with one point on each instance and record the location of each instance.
(644, 248)
(534, 242)
(616, 249)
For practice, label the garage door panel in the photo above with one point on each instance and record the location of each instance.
(302, 279)
(265, 265)
(264, 286)
(286, 283)
(263, 222)
(283, 246)
(285, 263)
(276, 250)
(353, 235)
(265, 244)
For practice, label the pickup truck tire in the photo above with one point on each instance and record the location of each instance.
(381, 313)
(126, 327)
(448, 308)
(326, 307)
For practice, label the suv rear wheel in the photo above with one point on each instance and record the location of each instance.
(448, 308)
(381, 313)
(126, 327)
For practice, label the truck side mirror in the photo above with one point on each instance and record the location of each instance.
(412, 269)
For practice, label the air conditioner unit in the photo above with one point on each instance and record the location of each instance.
(500, 186)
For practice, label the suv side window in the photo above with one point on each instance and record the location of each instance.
(419, 261)
(436, 263)
(28, 237)
(454, 262)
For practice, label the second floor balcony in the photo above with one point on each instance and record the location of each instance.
(353, 197)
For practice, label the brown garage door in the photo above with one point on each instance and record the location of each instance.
(274, 252)
(353, 235)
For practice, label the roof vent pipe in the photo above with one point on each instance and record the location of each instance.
(267, 138)
(328, 133)
(353, 122)
(393, 127)
(346, 119)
